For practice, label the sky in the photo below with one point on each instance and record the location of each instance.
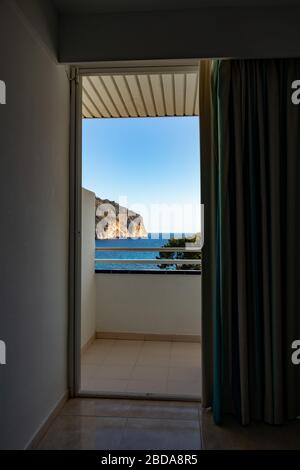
(150, 165)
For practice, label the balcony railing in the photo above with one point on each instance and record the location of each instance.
(151, 261)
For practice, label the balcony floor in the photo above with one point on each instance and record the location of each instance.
(161, 368)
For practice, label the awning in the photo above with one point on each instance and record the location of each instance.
(140, 94)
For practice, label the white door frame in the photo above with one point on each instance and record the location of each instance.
(75, 189)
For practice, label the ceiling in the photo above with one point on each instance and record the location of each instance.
(141, 95)
(106, 6)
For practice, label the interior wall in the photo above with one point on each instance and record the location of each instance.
(34, 194)
(42, 19)
(148, 303)
(88, 313)
(241, 31)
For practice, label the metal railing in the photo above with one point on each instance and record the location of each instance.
(156, 261)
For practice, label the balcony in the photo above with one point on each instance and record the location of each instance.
(140, 330)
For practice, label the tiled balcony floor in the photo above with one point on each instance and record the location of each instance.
(142, 367)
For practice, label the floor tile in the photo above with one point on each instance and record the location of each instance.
(97, 407)
(121, 357)
(114, 371)
(185, 374)
(183, 354)
(94, 357)
(147, 386)
(106, 424)
(136, 364)
(184, 389)
(154, 357)
(144, 372)
(106, 385)
(84, 432)
(161, 434)
(163, 409)
(100, 346)
(91, 371)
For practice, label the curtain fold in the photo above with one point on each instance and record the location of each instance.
(208, 191)
(250, 181)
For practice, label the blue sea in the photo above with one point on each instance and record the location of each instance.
(153, 240)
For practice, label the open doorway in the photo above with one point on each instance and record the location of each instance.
(141, 234)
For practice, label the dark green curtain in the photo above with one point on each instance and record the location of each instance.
(252, 261)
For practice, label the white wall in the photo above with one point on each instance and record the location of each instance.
(88, 298)
(34, 194)
(148, 303)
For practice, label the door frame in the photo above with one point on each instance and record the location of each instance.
(75, 168)
(75, 197)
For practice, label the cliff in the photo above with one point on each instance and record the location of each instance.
(115, 221)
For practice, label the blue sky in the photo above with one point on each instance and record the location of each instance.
(146, 163)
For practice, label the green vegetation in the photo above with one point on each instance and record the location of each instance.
(180, 243)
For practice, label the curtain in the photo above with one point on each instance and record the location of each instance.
(250, 180)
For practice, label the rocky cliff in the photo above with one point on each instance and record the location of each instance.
(115, 221)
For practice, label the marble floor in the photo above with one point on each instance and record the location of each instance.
(162, 368)
(106, 424)
(118, 424)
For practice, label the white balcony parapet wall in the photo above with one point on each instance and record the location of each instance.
(162, 304)
(148, 303)
(88, 293)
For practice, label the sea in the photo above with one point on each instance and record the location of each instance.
(153, 240)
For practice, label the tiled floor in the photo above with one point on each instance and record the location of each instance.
(105, 424)
(142, 367)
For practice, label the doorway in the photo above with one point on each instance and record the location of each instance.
(138, 331)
